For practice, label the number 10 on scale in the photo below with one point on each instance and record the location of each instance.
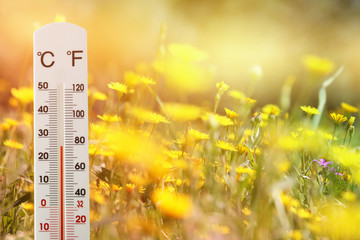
(61, 172)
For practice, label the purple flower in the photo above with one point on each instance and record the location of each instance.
(340, 174)
(322, 162)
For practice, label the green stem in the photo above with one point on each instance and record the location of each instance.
(345, 136)
(332, 140)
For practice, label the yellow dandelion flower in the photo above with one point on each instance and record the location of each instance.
(24, 95)
(144, 115)
(99, 129)
(317, 65)
(222, 87)
(250, 101)
(133, 79)
(93, 149)
(13, 102)
(242, 149)
(98, 197)
(225, 146)
(130, 187)
(309, 110)
(182, 112)
(271, 109)
(99, 96)
(198, 135)
(13, 144)
(236, 94)
(351, 121)
(172, 204)
(303, 213)
(295, 235)
(349, 108)
(109, 118)
(215, 119)
(27, 206)
(175, 154)
(349, 196)
(338, 118)
(231, 114)
(222, 229)
(246, 211)
(120, 87)
(245, 170)
(8, 123)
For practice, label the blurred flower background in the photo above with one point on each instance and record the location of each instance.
(208, 119)
(237, 35)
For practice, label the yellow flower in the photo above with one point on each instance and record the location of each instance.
(13, 144)
(198, 135)
(246, 211)
(231, 114)
(24, 94)
(295, 235)
(309, 110)
(172, 204)
(28, 206)
(222, 229)
(225, 146)
(109, 118)
(8, 123)
(303, 213)
(100, 96)
(99, 129)
(351, 121)
(271, 109)
(144, 115)
(215, 119)
(182, 112)
(349, 196)
(349, 108)
(250, 101)
(317, 65)
(338, 118)
(133, 79)
(222, 87)
(236, 94)
(242, 149)
(98, 197)
(120, 87)
(130, 187)
(182, 71)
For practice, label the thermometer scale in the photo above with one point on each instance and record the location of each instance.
(61, 174)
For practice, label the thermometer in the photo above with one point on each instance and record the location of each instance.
(61, 174)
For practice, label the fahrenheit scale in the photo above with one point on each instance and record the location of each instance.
(61, 173)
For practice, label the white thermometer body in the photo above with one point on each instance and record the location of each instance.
(61, 174)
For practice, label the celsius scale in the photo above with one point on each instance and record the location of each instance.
(61, 174)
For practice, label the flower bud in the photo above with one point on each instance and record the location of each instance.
(351, 131)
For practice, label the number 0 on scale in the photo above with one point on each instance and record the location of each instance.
(61, 133)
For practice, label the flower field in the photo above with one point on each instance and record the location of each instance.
(229, 168)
